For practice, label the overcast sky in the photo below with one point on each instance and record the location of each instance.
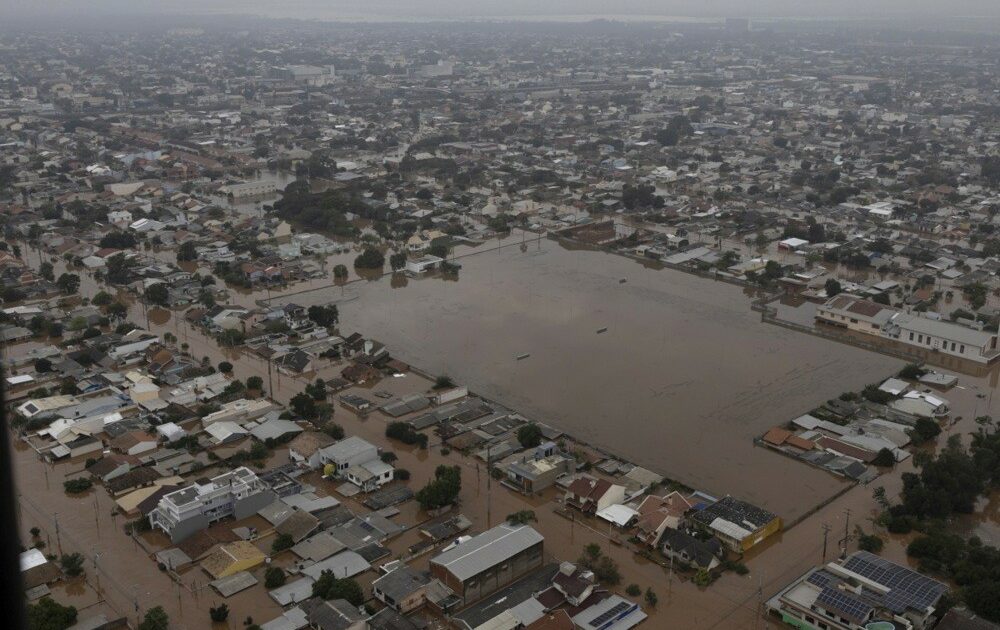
(457, 9)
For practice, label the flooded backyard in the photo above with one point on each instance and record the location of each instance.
(681, 381)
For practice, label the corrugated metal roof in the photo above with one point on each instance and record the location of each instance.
(487, 550)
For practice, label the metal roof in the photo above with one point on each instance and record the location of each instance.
(487, 550)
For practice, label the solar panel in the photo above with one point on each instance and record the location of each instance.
(821, 579)
(843, 604)
(611, 613)
(907, 588)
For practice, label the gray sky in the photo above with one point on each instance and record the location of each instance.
(458, 9)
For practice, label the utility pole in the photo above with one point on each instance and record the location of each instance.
(55, 517)
(489, 486)
(826, 532)
(847, 523)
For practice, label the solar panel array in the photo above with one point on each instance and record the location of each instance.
(843, 604)
(821, 579)
(907, 588)
(610, 614)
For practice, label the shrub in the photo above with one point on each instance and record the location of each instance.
(282, 542)
(401, 474)
(72, 564)
(219, 613)
(78, 485)
(870, 542)
(521, 517)
(274, 577)
(884, 458)
(633, 590)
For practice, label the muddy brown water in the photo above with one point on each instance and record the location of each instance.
(682, 380)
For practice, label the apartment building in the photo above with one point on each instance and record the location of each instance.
(239, 493)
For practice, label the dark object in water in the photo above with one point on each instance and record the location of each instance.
(623, 281)
(523, 356)
(602, 330)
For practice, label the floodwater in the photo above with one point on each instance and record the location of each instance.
(682, 380)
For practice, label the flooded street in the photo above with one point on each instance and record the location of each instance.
(682, 380)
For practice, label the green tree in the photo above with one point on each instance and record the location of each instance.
(529, 435)
(442, 490)
(324, 316)
(340, 272)
(155, 619)
(186, 252)
(521, 517)
(72, 564)
(832, 287)
(157, 294)
(304, 405)
(651, 598)
(47, 614)
(68, 283)
(282, 542)
(329, 587)
(226, 367)
(274, 577)
(101, 298)
(397, 261)
(219, 613)
(370, 259)
(45, 270)
(255, 383)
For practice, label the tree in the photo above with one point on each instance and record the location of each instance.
(832, 287)
(304, 405)
(186, 252)
(117, 310)
(884, 458)
(118, 268)
(521, 517)
(317, 390)
(47, 614)
(324, 316)
(219, 613)
(282, 542)
(529, 435)
(870, 542)
(72, 564)
(651, 598)
(924, 429)
(157, 294)
(102, 298)
(370, 259)
(78, 485)
(226, 367)
(118, 240)
(45, 270)
(442, 490)
(633, 590)
(274, 577)
(155, 619)
(329, 587)
(43, 365)
(255, 383)
(340, 272)
(397, 261)
(68, 283)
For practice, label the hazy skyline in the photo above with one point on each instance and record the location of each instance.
(523, 9)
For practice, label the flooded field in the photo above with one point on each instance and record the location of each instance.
(681, 381)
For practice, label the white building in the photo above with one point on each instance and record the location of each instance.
(239, 493)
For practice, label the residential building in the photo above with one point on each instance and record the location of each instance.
(346, 453)
(737, 524)
(402, 589)
(239, 493)
(860, 592)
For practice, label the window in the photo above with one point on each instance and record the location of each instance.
(952, 346)
(854, 321)
(911, 336)
(920, 338)
(962, 348)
